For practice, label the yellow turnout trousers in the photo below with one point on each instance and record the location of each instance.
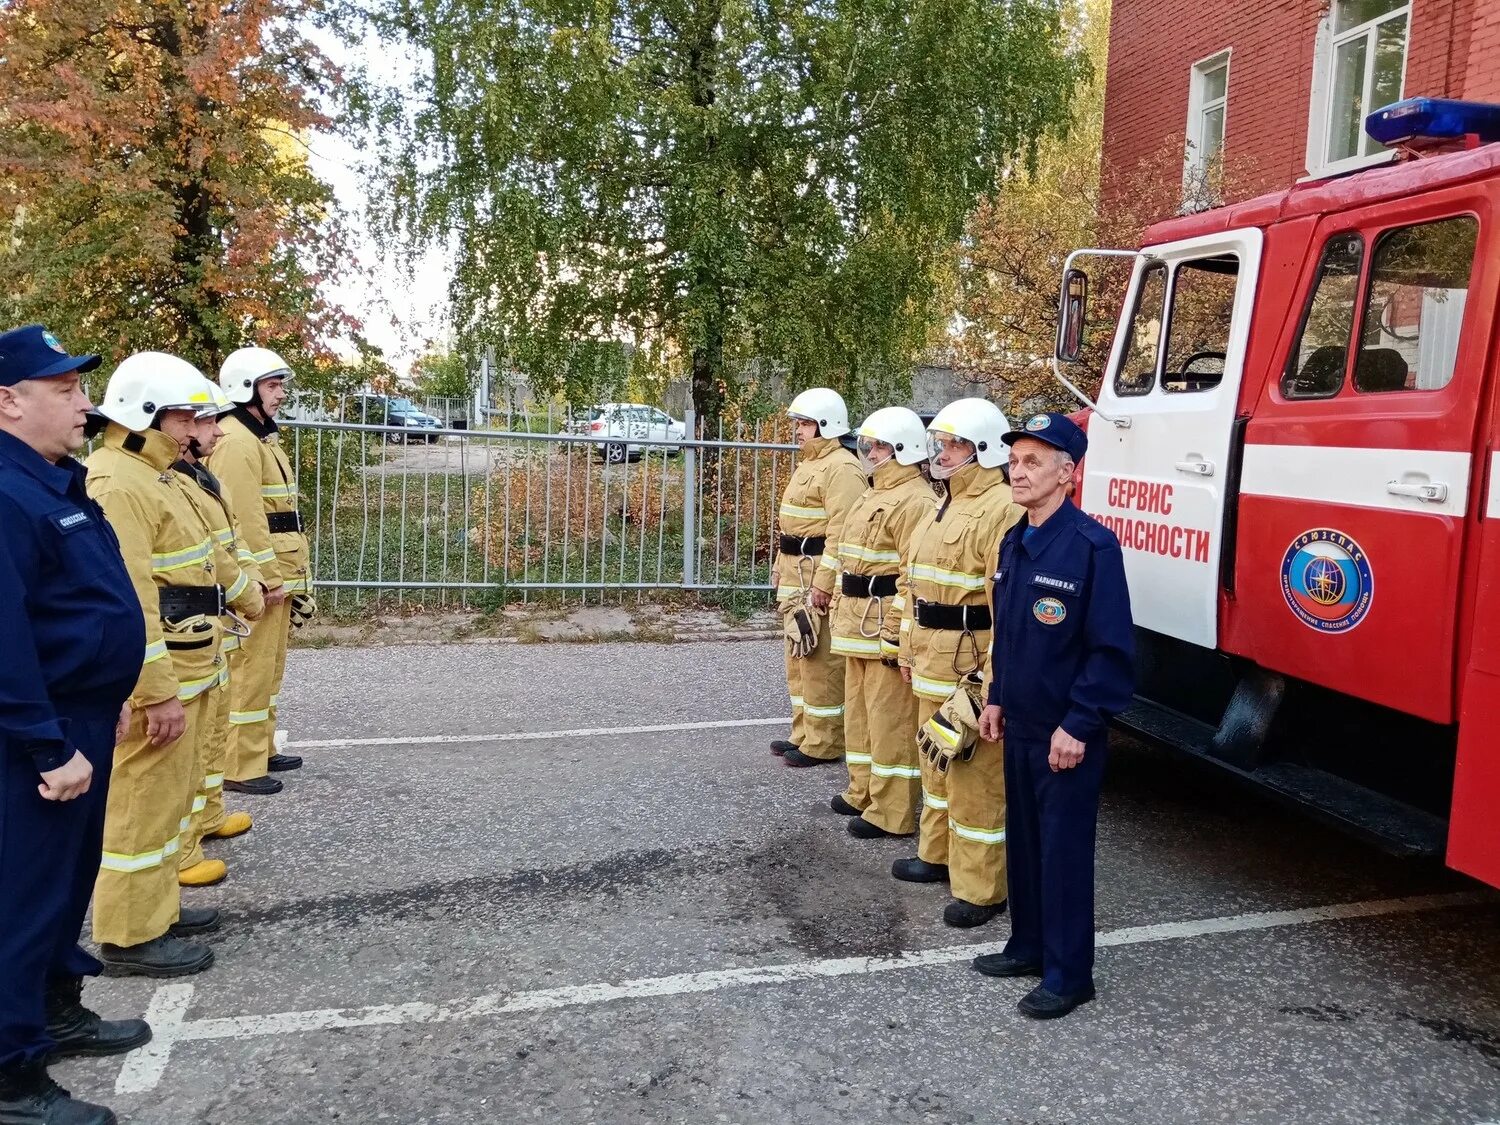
(880, 726)
(150, 791)
(932, 844)
(255, 672)
(208, 802)
(976, 826)
(816, 686)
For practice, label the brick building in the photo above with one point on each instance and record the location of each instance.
(1281, 87)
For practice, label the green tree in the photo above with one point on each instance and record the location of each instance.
(154, 178)
(443, 374)
(730, 185)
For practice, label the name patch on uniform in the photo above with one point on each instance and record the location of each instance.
(70, 521)
(1056, 582)
(1049, 611)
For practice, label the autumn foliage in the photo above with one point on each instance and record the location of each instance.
(154, 179)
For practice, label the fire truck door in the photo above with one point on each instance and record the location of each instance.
(1358, 461)
(1173, 378)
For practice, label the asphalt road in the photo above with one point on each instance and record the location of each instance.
(472, 923)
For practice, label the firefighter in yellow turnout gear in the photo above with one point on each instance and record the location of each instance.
(945, 639)
(880, 713)
(261, 486)
(245, 601)
(151, 404)
(824, 486)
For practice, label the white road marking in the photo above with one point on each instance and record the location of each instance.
(145, 1069)
(535, 735)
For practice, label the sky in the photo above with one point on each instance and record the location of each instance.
(402, 309)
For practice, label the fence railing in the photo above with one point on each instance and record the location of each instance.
(475, 516)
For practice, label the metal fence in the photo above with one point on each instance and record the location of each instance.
(483, 517)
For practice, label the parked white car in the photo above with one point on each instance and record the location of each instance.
(620, 427)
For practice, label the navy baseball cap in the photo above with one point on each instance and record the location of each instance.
(34, 353)
(1057, 430)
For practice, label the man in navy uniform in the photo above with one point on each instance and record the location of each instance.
(1061, 665)
(74, 645)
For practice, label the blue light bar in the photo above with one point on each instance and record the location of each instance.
(1433, 119)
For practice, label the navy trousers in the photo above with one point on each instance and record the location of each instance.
(49, 860)
(1049, 841)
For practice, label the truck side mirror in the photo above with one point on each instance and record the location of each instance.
(1070, 316)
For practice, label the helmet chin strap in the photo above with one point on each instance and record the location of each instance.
(194, 449)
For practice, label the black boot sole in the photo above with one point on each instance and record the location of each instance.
(98, 1050)
(156, 972)
(239, 787)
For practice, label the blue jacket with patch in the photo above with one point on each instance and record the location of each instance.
(1063, 652)
(74, 638)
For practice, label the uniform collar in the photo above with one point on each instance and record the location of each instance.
(151, 446)
(973, 479)
(261, 430)
(816, 448)
(1049, 529)
(893, 474)
(56, 477)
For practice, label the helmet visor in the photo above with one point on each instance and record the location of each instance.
(873, 452)
(938, 445)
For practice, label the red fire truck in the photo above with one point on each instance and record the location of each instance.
(1297, 441)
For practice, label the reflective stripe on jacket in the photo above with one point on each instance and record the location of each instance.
(166, 543)
(876, 540)
(824, 486)
(258, 480)
(952, 562)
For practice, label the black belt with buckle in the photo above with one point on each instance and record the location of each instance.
(962, 618)
(179, 602)
(278, 522)
(868, 585)
(803, 544)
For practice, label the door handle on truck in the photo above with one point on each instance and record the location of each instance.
(1196, 465)
(1432, 493)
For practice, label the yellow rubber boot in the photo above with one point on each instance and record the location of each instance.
(204, 873)
(235, 824)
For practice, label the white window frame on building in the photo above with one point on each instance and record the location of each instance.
(1337, 45)
(1205, 104)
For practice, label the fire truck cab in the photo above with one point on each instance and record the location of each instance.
(1295, 442)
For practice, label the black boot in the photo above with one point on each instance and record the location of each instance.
(781, 746)
(195, 920)
(964, 914)
(260, 786)
(916, 870)
(843, 807)
(862, 829)
(278, 763)
(166, 956)
(28, 1096)
(78, 1031)
(797, 758)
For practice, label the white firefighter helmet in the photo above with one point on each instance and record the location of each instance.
(977, 421)
(823, 406)
(223, 404)
(246, 367)
(899, 428)
(147, 383)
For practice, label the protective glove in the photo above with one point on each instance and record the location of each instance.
(800, 624)
(301, 607)
(953, 730)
